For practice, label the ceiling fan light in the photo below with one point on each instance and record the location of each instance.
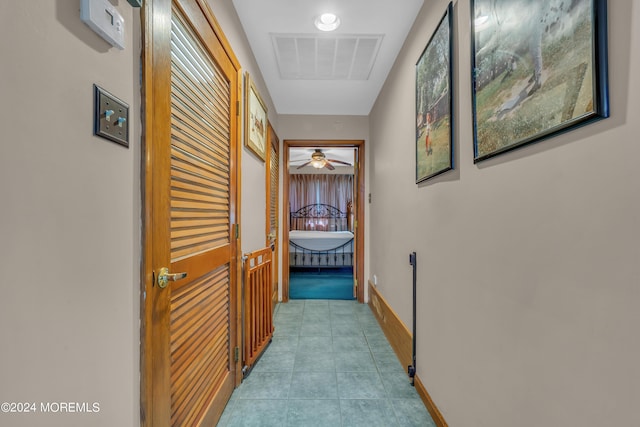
(327, 22)
(318, 164)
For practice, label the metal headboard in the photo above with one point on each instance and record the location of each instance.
(319, 216)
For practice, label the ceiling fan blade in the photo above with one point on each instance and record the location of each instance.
(328, 166)
(303, 165)
(339, 161)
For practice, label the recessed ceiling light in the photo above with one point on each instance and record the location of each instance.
(327, 22)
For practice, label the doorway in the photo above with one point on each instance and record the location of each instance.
(331, 256)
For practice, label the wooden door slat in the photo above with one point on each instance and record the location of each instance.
(200, 230)
(194, 128)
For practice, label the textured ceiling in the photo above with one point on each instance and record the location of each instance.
(308, 71)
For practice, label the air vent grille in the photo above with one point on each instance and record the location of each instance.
(321, 57)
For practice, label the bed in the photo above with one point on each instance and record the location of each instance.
(319, 237)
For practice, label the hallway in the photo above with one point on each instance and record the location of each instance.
(329, 364)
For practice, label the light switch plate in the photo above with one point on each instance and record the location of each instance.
(111, 117)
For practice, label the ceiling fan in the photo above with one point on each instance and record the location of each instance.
(319, 161)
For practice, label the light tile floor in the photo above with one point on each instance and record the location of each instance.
(329, 364)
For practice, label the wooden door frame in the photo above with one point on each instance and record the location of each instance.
(156, 30)
(359, 188)
(276, 258)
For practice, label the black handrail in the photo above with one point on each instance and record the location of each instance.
(411, 369)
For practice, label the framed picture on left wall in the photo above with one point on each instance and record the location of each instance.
(434, 97)
(255, 119)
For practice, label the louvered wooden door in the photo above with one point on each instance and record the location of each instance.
(193, 320)
(273, 192)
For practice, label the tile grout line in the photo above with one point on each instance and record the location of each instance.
(363, 324)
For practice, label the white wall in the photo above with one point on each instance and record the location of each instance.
(69, 218)
(528, 265)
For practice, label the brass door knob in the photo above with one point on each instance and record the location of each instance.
(164, 277)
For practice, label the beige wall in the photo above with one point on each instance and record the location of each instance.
(528, 265)
(253, 198)
(70, 259)
(70, 218)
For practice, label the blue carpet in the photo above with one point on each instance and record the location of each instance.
(326, 284)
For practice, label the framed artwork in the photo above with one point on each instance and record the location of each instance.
(539, 68)
(434, 98)
(255, 120)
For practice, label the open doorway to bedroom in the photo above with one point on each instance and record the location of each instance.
(323, 192)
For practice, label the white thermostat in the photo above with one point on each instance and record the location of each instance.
(104, 19)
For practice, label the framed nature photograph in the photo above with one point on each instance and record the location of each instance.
(539, 68)
(255, 119)
(434, 96)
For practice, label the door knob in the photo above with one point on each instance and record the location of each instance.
(164, 277)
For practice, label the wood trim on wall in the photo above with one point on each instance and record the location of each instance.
(396, 332)
(217, 29)
(400, 339)
(428, 402)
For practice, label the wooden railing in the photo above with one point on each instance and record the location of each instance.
(258, 306)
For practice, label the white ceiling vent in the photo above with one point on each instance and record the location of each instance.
(325, 57)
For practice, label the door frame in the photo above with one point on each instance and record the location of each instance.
(273, 140)
(359, 189)
(155, 33)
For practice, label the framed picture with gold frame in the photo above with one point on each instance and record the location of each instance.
(255, 119)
